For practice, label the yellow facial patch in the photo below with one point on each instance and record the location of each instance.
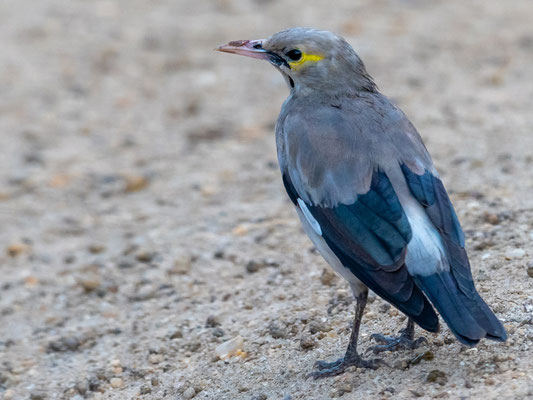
(306, 59)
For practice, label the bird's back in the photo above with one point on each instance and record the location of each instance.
(351, 136)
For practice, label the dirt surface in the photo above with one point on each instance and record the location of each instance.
(144, 221)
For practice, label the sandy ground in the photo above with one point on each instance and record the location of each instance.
(144, 221)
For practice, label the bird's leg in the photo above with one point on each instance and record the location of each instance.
(405, 341)
(351, 358)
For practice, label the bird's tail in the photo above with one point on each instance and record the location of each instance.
(467, 315)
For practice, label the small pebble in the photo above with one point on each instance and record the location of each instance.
(212, 322)
(425, 355)
(371, 315)
(317, 326)
(328, 277)
(193, 346)
(89, 283)
(436, 376)
(230, 348)
(401, 364)
(82, 386)
(389, 389)
(116, 383)
(217, 332)
(491, 218)
(93, 383)
(384, 307)
(189, 393)
(254, 266)
(182, 266)
(176, 334)
(344, 388)
(96, 248)
(135, 183)
(115, 363)
(66, 343)
(515, 253)
(145, 389)
(276, 331)
(14, 250)
(155, 358)
(145, 256)
(69, 259)
(530, 271)
(307, 343)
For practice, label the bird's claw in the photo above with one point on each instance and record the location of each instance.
(325, 369)
(320, 365)
(402, 342)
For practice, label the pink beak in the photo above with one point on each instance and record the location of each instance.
(249, 48)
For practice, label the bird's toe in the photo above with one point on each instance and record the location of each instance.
(389, 343)
(326, 369)
(320, 365)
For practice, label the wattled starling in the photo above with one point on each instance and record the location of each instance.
(368, 195)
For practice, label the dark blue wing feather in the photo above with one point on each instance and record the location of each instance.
(431, 194)
(375, 225)
(453, 292)
(370, 237)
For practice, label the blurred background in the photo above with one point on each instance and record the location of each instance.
(143, 220)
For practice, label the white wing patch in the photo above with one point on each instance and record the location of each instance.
(425, 252)
(309, 217)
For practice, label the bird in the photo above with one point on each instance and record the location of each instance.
(368, 195)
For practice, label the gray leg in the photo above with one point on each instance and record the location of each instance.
(352, 357)
(406, 340)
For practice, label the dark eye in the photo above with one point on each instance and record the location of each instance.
(294, 55)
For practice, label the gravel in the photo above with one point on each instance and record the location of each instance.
(141, 204)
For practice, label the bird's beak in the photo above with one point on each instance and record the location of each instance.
(249, 48)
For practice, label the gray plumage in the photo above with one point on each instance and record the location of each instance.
(366, 190)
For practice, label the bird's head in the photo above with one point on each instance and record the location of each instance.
(309, 59)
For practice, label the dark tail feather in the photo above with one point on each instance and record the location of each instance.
(426, 319)
(414, 304)
(408, 298)
(486, 318)
(469, 318)
(417, 308)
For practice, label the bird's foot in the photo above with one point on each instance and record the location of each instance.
(325, 369)
(402, 342)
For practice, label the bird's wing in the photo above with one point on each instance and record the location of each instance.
(451, 289)
(353, 207)
(369, 236)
